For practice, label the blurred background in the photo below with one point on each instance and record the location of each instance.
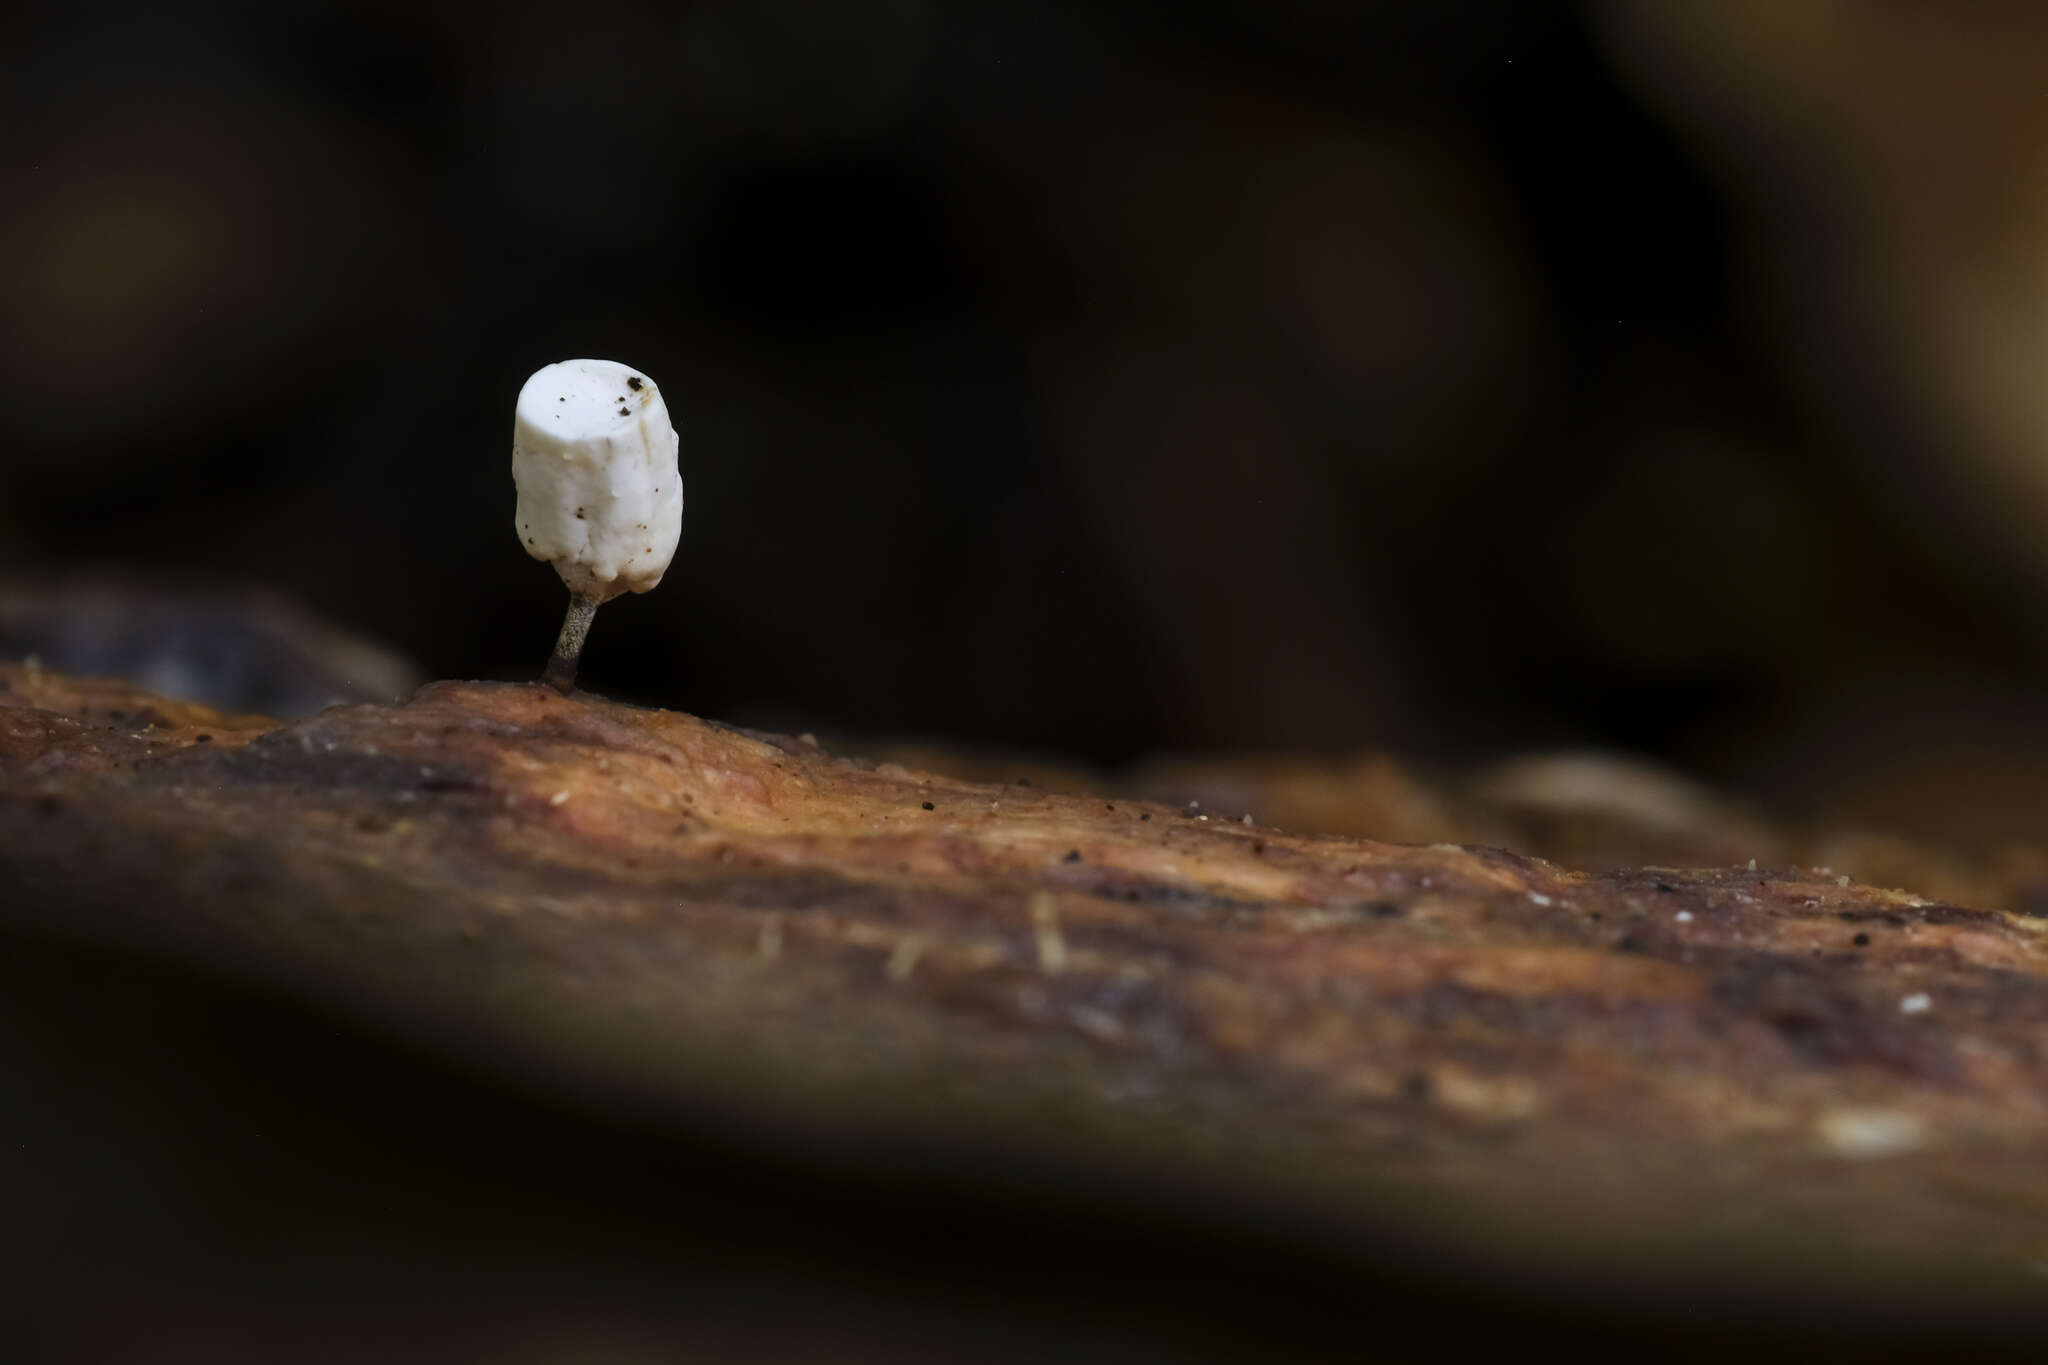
(1096, 379)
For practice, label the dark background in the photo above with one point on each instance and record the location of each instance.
(1089, 378)
(1097, 379)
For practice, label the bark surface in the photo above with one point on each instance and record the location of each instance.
(1769, 1080)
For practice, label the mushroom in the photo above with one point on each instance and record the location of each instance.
(600, 496)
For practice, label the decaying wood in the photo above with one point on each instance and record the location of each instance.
(229, 647)
(1588, 811)
(1696, 1077)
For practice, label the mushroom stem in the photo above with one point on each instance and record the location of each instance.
(560, 673)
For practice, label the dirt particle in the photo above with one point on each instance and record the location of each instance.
(1861, 940)
(625, 412)
(928, 805)
(202, 739)
(1146, 816)
(1073, 856)
(635, 383)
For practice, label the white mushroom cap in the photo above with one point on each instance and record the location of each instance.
(600, 494)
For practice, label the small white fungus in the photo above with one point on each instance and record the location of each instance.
(600, 494)
(1919, 1002)
(594, 458)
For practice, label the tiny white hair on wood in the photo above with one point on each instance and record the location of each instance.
(600, 492)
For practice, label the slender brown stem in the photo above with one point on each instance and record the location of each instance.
(560, 673)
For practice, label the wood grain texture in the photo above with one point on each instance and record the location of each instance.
(1755, 1081)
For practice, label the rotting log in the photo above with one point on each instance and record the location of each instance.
(1694, 1078)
